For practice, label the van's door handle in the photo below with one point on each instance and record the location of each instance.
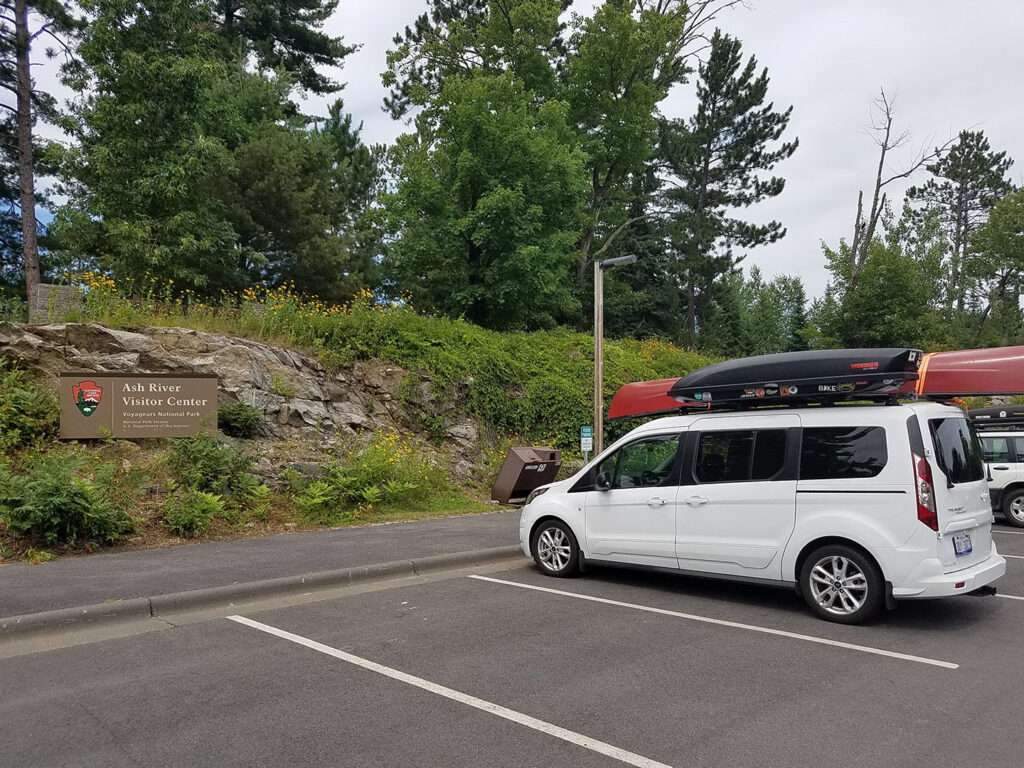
(696, 501)
(657, 501)
(1000, 467)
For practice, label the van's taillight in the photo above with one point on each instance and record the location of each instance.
(925, 493)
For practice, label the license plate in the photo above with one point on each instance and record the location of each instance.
(962, 544)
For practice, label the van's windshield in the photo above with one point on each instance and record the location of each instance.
(958, 450)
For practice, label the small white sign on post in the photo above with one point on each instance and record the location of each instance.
(586, 441)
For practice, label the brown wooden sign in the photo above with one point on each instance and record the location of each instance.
(142, 406)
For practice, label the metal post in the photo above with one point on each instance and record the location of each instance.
(599, 267)
(598, 358)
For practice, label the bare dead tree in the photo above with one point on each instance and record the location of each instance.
(888, 141)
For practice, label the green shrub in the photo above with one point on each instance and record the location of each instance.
(121, 484)
(28, 413)
(320, 502)
(37, 556)
(189, 514)
(204, 463)
(13, 308)
(238, 419)
(387, 470)
(256, 503)
(280, 387)
(292, 481)
(56, 504)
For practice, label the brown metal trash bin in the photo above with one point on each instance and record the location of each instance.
(525, 469)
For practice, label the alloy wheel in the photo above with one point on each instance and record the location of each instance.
(554, 549)
(838, 585)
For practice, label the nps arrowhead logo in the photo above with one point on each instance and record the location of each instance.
(87, 395)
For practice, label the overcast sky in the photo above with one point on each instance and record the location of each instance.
(950, 64)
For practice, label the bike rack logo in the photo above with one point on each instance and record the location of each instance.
(87, 395)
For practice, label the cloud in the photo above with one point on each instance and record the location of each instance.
(951, 65)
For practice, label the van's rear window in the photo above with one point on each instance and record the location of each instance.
(828, 453)
(958, 450)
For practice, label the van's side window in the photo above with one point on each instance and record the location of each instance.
(736, 457)
(995, 448)
(828, 453)
(769, 454)
(643, 464)
(1018, 443)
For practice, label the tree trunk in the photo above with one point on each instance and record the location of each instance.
(26, 177)
(960, 246)
(691, 315)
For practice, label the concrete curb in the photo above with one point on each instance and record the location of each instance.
(67, 618)
(137, 608)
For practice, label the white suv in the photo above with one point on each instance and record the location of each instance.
(1004, 454)
(854, 506)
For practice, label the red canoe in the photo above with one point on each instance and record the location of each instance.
(972, 372)
(644, 398)
(960, 373)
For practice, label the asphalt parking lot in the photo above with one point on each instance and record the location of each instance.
(510, 668)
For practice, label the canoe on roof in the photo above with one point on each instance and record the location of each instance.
(973, 372)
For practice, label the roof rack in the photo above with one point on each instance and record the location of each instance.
(828, 377)
(997, 417)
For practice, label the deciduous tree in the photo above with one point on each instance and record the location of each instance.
(488, 200)
(142, 175)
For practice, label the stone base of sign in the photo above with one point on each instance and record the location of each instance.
(52, 303)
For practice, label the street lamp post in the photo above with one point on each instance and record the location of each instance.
(599, 267)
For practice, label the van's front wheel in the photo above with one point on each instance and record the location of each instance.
(555, 549)
(842, 584)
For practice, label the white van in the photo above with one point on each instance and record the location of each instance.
(855, 506)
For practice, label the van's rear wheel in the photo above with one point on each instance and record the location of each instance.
(842, 584)
(555, 549)
(1013, 508)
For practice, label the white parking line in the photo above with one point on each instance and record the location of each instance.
(1012, 533)
(509, 714)
(724, 623)
(1009, 597)
(1015, 557)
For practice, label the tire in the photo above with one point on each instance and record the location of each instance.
(861, 595)
(1013, 508)
(555, 549)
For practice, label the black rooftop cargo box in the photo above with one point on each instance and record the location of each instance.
(794, 377)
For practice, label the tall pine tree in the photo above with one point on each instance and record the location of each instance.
(716, 159)
(967, 181)
(56, 25)
(283, 34)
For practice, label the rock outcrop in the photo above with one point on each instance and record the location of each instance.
(298, 397)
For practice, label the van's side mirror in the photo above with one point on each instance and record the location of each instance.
(604, 481)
